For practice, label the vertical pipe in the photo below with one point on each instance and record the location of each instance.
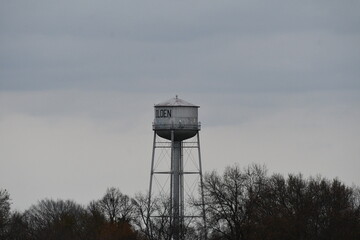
(202, 188)
(171, 179)
(181, 215)
(176, 189)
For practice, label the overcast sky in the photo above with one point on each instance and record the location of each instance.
(278, 83)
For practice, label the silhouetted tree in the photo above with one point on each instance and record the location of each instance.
(4, 212)
(94, 221)
(106, 219)
(230, 200)
(156, 227)
(116, 212)
(116, 206)
(18, 228)
(295, 208)
(240, 204)
(50, 219)
(153, 221)
(247, 204)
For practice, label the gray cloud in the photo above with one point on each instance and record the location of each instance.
(277, 82)
(137, 46)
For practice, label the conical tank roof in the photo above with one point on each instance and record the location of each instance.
(175, 102)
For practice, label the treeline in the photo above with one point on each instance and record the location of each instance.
(240, 204)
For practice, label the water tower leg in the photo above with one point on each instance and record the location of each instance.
(150, 187)
(202, 188)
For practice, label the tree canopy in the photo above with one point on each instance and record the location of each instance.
(241, 204)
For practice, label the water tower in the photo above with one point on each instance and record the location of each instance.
(176, 137)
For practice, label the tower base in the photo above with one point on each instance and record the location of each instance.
(175, 176)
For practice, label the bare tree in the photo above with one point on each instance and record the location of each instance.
(116, 206)
(156, 227)
(249, 205)
(18, 228)
(4, 211)
(240, 204)
(50, 219)
(230, 200)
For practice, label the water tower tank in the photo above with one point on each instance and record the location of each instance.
(178, 116)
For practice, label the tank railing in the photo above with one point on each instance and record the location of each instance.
(178, 126)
